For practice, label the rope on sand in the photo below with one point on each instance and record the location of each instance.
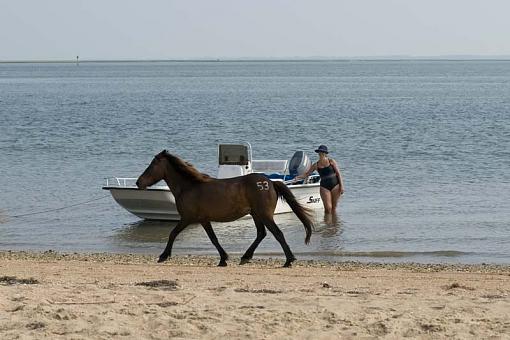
(56, 209)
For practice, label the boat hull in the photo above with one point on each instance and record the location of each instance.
(159, 203)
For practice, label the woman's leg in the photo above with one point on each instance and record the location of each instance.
(326, 200)
(335, 196)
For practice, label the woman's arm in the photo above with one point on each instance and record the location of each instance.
(339, 175)
(305, 175)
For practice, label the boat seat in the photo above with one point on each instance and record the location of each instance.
(269, 166)
(229, 171)
(280, 176)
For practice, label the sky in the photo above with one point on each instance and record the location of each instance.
(195, 29)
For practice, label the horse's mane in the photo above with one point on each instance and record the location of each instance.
(187, 170)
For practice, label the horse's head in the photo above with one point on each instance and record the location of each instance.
(154, 172)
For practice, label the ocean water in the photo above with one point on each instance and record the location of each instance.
(424, 147)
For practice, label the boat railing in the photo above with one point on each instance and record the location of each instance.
(121, 182)
(313, 178)
(128, 182)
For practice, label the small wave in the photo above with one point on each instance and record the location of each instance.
(381, 253)
(77, 103)
(389, 253)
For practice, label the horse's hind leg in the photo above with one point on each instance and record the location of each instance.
(261, 233)
(273, 228)
(212, 236)
(171, 238)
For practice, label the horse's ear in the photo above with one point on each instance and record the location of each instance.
(159, 155)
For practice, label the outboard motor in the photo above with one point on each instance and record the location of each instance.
(299, 164)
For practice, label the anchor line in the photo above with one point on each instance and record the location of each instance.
(60, 208)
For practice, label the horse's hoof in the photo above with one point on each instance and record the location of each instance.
(162, 258)
(244, 261)
(222, 264)
(288, 263)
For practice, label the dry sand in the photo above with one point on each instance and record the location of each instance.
(104, 296)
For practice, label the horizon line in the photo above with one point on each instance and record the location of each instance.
(255, 59)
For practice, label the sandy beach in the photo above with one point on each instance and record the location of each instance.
(104, 296)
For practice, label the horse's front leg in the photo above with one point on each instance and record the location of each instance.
(171, 238)
(212, 236)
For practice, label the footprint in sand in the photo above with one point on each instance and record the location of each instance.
(431, 328)
(16, 309)
(262, 291)
(159, 284)
(35, 325)
(377, 329)
(457, 285)
(62, 314)
(13, 280)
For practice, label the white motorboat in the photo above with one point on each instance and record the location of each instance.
(158, 203)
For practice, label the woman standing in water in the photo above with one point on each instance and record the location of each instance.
(332, 185)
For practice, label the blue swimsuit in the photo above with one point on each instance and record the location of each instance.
(329, 180)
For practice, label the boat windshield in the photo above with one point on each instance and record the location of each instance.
(233, 154)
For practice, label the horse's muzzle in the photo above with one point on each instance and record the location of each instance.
(140, 186)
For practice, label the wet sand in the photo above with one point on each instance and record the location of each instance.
(103, 296)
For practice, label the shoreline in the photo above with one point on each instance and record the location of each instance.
(97, 296)
(261, 262)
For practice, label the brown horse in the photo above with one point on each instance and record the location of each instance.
(202, 199)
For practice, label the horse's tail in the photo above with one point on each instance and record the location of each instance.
(304, 214)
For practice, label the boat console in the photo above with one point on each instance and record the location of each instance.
(236, 160)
